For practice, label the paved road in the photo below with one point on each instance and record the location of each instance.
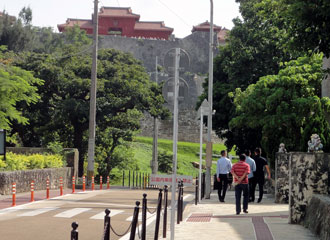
(51, 219)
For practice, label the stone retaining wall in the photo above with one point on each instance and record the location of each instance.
(24, 178)
(317, 218)
(308, 175)
(282, 178)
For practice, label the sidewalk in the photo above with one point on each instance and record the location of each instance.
(214, 220)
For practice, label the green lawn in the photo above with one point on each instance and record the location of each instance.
(187, 153)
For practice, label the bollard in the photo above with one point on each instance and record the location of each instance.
(14, 194)
(84, 183)
(165, 211)
(93, 183)
(107, 225)
(108, 182)
(73, 184)
(134, 221)
(32, 191)
(178, 204)
(74, 231)
(196, 192)
(61, 186)
(101, 178)
(159, 208)
(144, 217)
(129, 178)
(133, 179)
(123, 178)
(181, 202)
(47, 188)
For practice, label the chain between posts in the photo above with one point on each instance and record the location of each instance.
(120, 235)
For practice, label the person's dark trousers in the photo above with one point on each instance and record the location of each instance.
(238, 193)
(251, 189)
(260, 181)
(223, 184)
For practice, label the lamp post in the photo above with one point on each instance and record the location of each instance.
(209, 119)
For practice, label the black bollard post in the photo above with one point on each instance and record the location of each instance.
(159, 208)
(144, 217)
(135, 220)
(74, 231)
(178, 204)
(165, 211)
(196, 192)
(107, 225)
(133, 177)
(123, 178)
(136, 179)
(181, 202)
(129, 178)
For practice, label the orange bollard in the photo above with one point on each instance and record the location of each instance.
(108, 182)
(93, 185)
(32, 191)
(84, 183)
(61, 186)
(47, 188)
(14, 195)
(100, 182)
(73, 184)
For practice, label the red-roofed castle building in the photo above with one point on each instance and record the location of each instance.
(122, 22)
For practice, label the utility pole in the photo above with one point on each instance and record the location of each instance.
(155, 138)
(92, 109)
(209, 119)
(175, 138)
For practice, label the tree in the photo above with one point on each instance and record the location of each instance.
(286, 107)
(124, 92)
(16, 86)
(253, 50)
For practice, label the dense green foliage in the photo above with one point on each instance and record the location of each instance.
(16, 162)
(16, 86)
(286, 107)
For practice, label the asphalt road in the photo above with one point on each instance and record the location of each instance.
(51, 219)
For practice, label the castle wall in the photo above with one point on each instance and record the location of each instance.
(191, 79)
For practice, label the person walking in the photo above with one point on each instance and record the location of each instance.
(223, 168)
(252, 165)
(259, 175)
(240, 172)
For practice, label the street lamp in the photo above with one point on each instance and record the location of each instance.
(209, 119)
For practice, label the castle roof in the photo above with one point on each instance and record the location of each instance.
(205, 26)
(222, 35)
(152, 26)
(118, 12)
(71, 22)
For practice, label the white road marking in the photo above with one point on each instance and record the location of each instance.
(102, 214)
(140, 216)
(37, 211)
(72, 212)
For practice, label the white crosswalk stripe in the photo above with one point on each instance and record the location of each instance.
(102, 214)
(37, 211)
(140, 216)
(72, 212)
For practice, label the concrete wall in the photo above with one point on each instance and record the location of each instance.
(24, 178)
(282, 177)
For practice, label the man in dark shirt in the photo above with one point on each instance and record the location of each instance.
(240, 173)
(259, 175)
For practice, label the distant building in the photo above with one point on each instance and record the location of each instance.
(122, 22)
(219, 31)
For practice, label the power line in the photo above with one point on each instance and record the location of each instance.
(174, 13)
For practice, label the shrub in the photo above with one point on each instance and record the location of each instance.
(165, 162)
(35, 161)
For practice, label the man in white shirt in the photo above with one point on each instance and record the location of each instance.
(253, 168)
(223, 169)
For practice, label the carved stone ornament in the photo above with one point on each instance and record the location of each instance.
(282, 149)
(315, 145)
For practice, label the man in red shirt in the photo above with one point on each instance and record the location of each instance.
(240, 172)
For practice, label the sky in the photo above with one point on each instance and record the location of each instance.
(181, 15)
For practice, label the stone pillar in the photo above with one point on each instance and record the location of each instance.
(282, 177)
(308, 174)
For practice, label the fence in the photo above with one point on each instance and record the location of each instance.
(135, 179)
(134, 228)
